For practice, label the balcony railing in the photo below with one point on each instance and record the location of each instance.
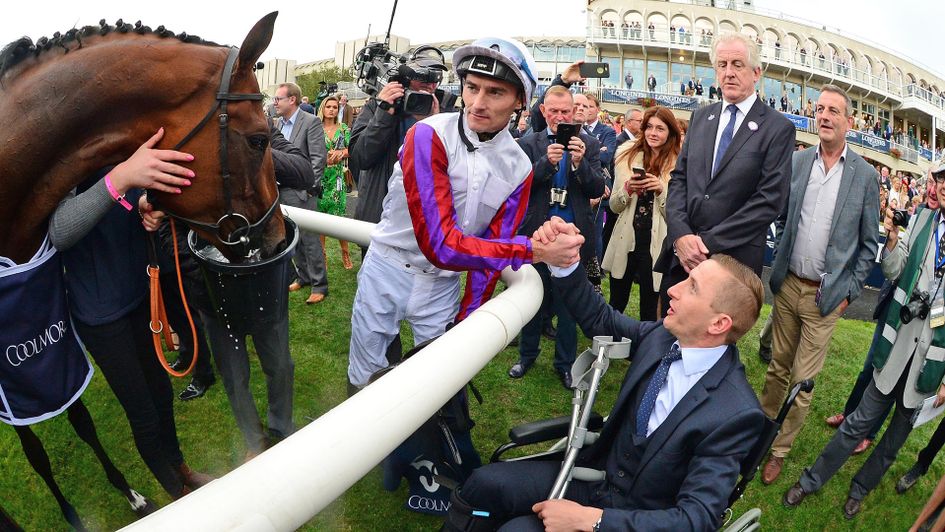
(914, 90)
(808, 60)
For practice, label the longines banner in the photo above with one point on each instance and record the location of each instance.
(43, 368)
(648, 99)
(875, 143)
(800, 122)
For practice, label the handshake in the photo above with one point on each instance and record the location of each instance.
(557, 243)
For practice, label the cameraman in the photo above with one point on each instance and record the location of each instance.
(379, 133)
(909, 358)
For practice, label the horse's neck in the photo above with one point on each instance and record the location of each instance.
(84, 110)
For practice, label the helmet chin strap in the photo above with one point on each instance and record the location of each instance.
(483, 137)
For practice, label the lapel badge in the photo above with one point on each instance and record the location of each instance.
(753, 126)
(711, 117)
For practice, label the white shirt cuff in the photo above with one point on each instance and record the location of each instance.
(562, 272)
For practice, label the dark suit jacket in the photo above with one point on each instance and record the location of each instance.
(624, 136)
(854, 233)
(692, 460)
(308, 135)
(608, 139)
(583, 184)
(732, 210)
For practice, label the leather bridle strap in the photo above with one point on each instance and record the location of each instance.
(224, 96)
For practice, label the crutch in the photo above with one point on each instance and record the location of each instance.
(586, 374)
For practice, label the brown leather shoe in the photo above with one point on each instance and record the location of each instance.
(794, 496)
(835, 420)
(295, 286)
(194, 479)
(772, 469)
(851, 508)
(315, 298)
(863, 446)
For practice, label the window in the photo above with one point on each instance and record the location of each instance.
(658, 69)
(570, 54)
(543, 52)
(793, 91)
(771, 88)
(813, 95)
(681, 75)
(615, 79)
(884, 117)
(634, 67)
(707, 75)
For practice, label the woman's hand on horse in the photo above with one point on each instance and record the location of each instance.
(150, 218)
(153, 169)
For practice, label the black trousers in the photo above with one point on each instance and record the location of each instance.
(639, 269)
(177, 316)
(927, 454)
(508, 490)
(124, 352)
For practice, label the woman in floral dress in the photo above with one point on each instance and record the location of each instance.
(337, 138)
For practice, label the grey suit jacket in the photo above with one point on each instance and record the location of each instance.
(732, 209)
(854, 233)
(308, 135)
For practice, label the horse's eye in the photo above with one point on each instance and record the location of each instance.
(258, 142)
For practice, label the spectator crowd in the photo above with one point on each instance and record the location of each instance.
(679, 208)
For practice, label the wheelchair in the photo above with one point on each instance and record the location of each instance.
(571, 433)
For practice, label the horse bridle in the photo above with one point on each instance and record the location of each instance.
(246, 234)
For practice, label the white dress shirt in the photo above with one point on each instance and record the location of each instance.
(808, 257)
(683, 375)
(743, 109)
(287, 125)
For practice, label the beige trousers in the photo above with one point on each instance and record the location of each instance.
(800, 336)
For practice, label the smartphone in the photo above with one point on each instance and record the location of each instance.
(594, 70)
(565, 132)
(639, 173)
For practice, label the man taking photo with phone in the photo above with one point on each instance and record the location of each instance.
(566, 175)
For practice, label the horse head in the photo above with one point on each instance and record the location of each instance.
(236, 204)
(88, 99)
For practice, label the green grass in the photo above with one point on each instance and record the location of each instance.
(319, 336)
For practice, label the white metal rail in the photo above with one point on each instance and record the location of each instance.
(287, 485)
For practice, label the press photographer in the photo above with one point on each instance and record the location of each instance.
(909, 359)
(403, 94)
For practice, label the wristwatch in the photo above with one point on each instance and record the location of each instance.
(596, 527)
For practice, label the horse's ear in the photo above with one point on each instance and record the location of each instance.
(257, 41)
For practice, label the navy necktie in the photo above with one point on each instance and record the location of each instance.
(726, 139)
(657, 381)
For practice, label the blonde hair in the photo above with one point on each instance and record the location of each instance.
(740, 296)
(321, 108)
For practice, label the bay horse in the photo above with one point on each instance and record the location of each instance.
(88, 99)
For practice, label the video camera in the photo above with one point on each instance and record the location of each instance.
(377, 66)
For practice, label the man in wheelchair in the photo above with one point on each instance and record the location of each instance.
(684, 418)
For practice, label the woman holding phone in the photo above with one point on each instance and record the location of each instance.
(642, 171)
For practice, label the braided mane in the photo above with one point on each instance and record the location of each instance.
(23, 48)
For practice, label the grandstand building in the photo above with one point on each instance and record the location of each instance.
(898, 104)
